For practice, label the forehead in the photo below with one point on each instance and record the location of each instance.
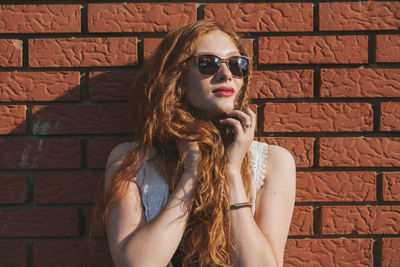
(217, 43)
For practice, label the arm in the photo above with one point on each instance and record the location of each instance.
(132, 240)
(260, 240)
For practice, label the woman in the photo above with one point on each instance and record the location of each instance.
(189, 190)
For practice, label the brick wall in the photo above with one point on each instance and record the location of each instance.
(327, 88)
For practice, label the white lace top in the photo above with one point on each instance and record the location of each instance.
(154, 190)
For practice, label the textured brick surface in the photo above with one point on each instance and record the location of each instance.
(328, 252)
(40, 18)
(10, 53)
(12, 189)
(71, 253)
(98, 150)
(302, 148)
(313, 49)
(266, 17)
(67, 188)
(390, 118)
(335, 186)
(149, 47)
(85, 119)
(40, 154)
(282, 84)
(391, 186)
(302, 221)
(139, 17)
(107, 86)
(360, 82)
(318, 117)
(366, 15)
(13, 254)
(388, 48)
(360, 220)
(365, 152)
(83, 52)
(39, 86)
(390, 252)
(12, 119)
(39, 223)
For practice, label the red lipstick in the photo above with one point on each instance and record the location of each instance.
(224, 91)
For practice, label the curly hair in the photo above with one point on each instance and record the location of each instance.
(161, 115)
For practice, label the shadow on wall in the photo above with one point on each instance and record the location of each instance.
(53, 155)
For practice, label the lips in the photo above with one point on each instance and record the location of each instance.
(223, 91)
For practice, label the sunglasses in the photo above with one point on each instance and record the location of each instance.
(209, 64)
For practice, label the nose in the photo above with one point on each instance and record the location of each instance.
(224, 73)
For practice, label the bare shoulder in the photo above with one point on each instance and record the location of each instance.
(115, 159)
(118, 152)
(279, 159)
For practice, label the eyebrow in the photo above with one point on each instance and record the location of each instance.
(234, 53)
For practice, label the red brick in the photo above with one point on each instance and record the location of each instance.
(12, 119)
(98, 150)
(150, 46)
(359, 152)
(388, 48)
(105, 86)
(302, 148)
(67, 188)
(328, 252)
(139, 17)
(391, 186)
(40, 18)
(71, 253)
(318, 117)
(360, 220)
(13, 254)
(10, 53)
(390, 252)
(83, 52)
(39, 223)
(335, 186)
(12, 189)
(282, 84)
(390, 119)
(81, 119)
(302, 221)
(39, 86)
(313, 49)
(368, 15)
(360, 82)
(40, 154)
(266, 17)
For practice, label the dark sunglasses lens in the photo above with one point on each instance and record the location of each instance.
(239, 66)
(208, 64)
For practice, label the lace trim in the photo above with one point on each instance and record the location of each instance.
(258, 152)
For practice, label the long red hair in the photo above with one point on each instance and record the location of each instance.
(161, 115)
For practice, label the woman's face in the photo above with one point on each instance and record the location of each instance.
(214, 94)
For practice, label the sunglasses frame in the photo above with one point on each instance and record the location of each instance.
(222, 60)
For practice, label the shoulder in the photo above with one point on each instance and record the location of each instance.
(118, 152)
(279, 157)
(115, 159)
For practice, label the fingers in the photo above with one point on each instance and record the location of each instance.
(241, 122)
(239, 119)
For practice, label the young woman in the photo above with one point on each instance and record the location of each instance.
(194, 189)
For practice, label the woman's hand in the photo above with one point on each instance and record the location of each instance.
(244, 125)
(191, 152)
